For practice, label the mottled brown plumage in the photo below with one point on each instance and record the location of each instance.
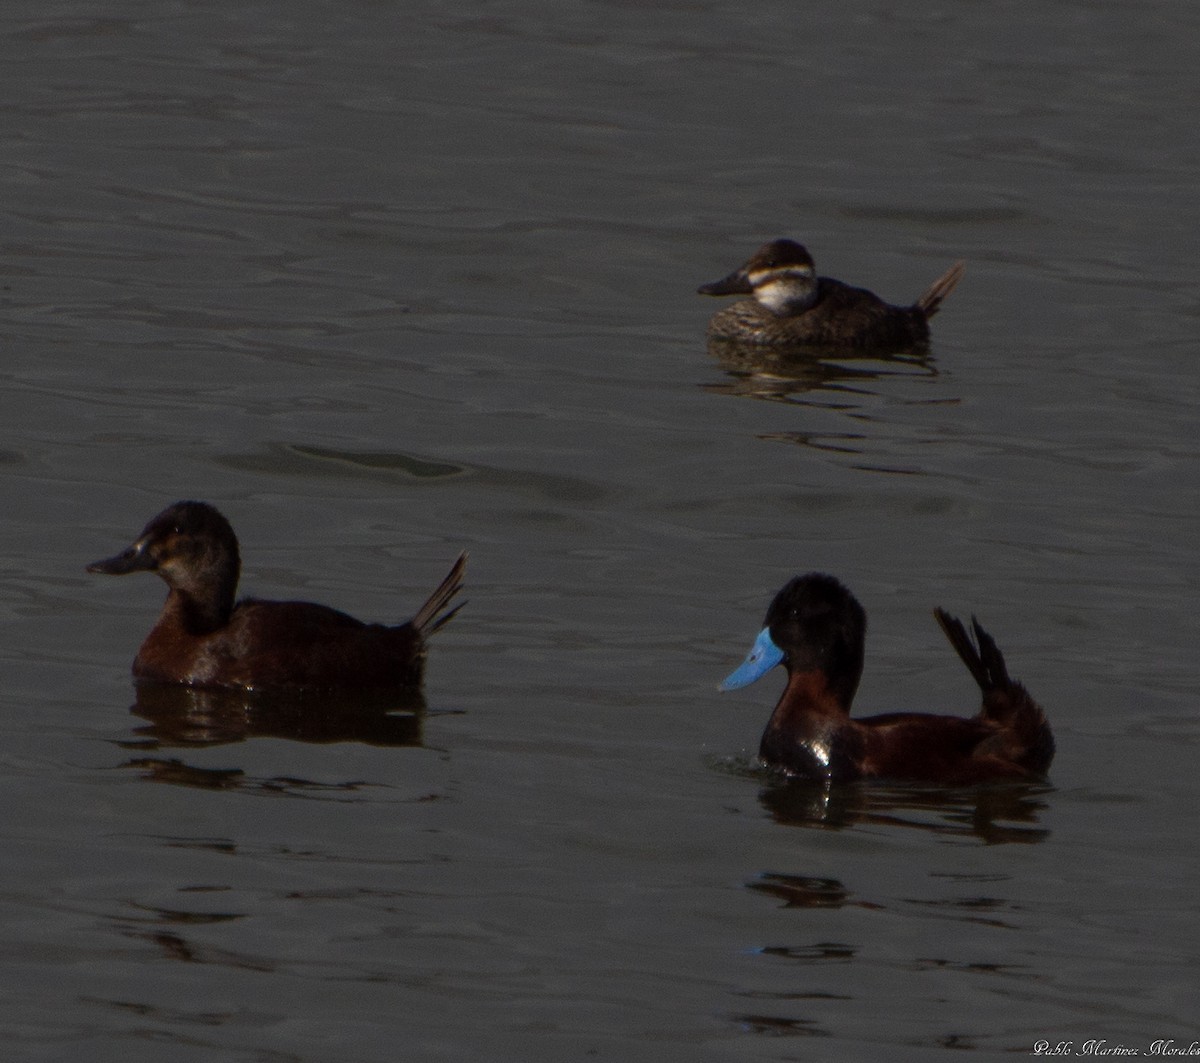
(793, 307)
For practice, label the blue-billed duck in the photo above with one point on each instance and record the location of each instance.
(816, 629)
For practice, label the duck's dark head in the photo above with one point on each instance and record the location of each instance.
(780, 275)
(814, 624)
(193, 548)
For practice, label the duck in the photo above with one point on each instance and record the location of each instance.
(816, 629)
(205, 638)
(792, 307)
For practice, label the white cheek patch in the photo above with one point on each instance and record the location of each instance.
(774, 295)
(783, 290)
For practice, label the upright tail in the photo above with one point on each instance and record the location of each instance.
(430, 617)
(981, 655)
(931, 301)
(1022, 734)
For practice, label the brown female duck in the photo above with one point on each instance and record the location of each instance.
(793, 307)
(203, 639)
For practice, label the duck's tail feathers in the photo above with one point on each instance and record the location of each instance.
(1022, 734)
(931, 301)
(981, 655)
(434, 615)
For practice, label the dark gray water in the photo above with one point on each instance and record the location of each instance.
(385, 282)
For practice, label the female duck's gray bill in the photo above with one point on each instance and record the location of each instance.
(764, 655)
(136, 559)
(737, 283)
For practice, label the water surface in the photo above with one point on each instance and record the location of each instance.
(385, 283)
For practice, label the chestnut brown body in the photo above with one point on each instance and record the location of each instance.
(202, 638)
(816, 629)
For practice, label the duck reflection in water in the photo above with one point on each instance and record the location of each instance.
(995, 813)
(180, 716)
(846, 412)
(846, 379)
